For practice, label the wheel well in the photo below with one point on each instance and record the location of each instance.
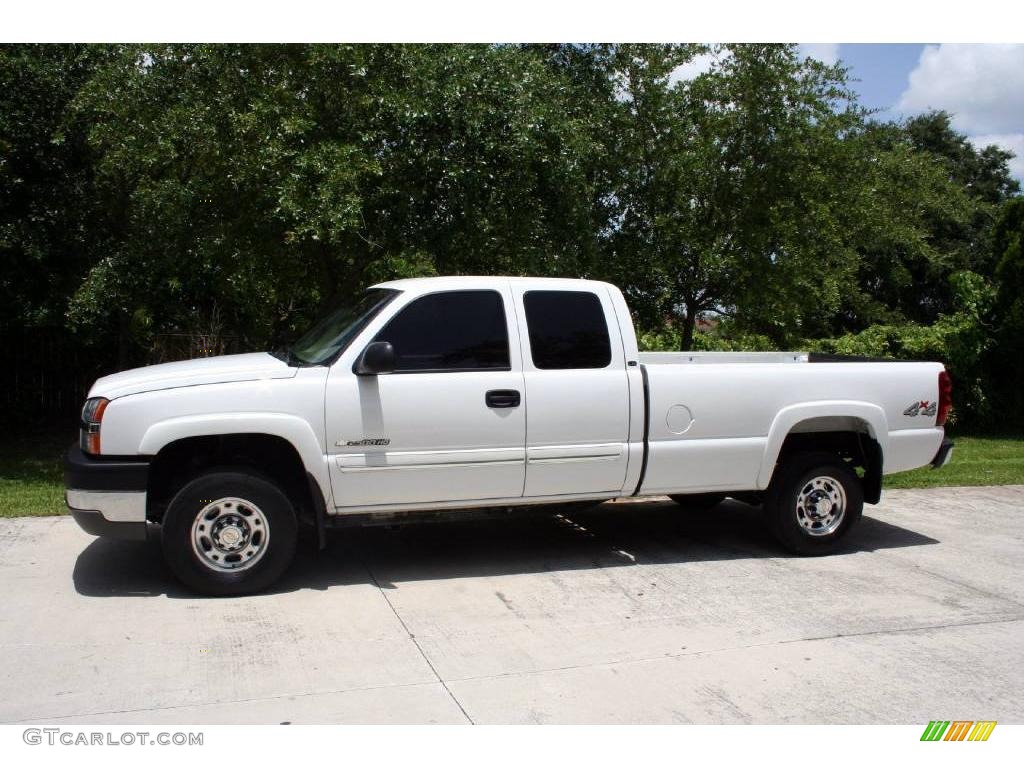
(274, 457)
(848, 438)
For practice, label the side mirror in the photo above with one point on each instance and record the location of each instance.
(378, 357)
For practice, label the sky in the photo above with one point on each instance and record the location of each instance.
(980, 85)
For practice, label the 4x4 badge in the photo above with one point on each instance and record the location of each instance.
(922, 408)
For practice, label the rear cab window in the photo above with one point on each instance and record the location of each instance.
(567, 330)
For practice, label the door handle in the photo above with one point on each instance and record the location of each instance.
(502, 398)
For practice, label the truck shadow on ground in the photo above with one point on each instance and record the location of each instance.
(555, 539)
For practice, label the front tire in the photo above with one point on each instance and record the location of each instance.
(229, 533)
(813, 502)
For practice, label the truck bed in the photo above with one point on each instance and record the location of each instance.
(717, 420)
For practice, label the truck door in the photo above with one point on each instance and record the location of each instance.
(577, 393)
(449, 423)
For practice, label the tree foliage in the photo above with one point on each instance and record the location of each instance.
(239, 189)
(1006, 361)
(927, 214)
(735, 186)
(268, 181)
(52, 224)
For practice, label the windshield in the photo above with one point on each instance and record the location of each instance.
(334, 332)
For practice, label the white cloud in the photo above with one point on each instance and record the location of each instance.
(982, 86)
(1014, 142)
(698, 65)
(826, 52)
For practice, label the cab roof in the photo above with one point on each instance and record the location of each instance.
(455, 282)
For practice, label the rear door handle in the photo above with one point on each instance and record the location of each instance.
(502, 398)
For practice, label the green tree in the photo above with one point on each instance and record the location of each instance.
(236, 173)
(238, 189)
(903, 196)
(928, 213)
(735, 186)
(983, 172)
(1006, 364)
(493, 161)
(258, 183)
(52, 227)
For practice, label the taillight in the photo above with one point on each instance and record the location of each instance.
(92, 418)
(945, 398)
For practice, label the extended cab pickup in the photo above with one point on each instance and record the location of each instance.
(469, 392)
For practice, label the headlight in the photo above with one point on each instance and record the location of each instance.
(92, 418)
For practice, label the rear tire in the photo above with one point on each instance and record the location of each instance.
(813, 502)
(698, 502)
(229, 533)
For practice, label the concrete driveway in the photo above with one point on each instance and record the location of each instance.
(627, 613)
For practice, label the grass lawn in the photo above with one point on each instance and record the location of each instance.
(975, 461)
(31, 474)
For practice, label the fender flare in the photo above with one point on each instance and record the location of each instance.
(790, 416)
(295, 430)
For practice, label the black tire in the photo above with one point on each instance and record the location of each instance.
(812, 528)
(698, 502)
(262, 518)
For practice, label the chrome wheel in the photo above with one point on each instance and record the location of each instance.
(230, 534)
(821, 506)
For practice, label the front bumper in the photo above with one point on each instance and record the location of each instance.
(107, 495)
(93, 522)
(944, 454)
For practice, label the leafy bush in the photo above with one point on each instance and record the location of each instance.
(722, 339)
(960, 340)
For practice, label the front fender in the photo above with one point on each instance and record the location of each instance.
(295, 430)
(787, 418)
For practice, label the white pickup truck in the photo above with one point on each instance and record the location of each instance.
(471, 392)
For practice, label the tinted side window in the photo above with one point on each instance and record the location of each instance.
(456, 330)
(567, 329)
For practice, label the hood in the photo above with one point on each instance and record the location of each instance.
(189, 373)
